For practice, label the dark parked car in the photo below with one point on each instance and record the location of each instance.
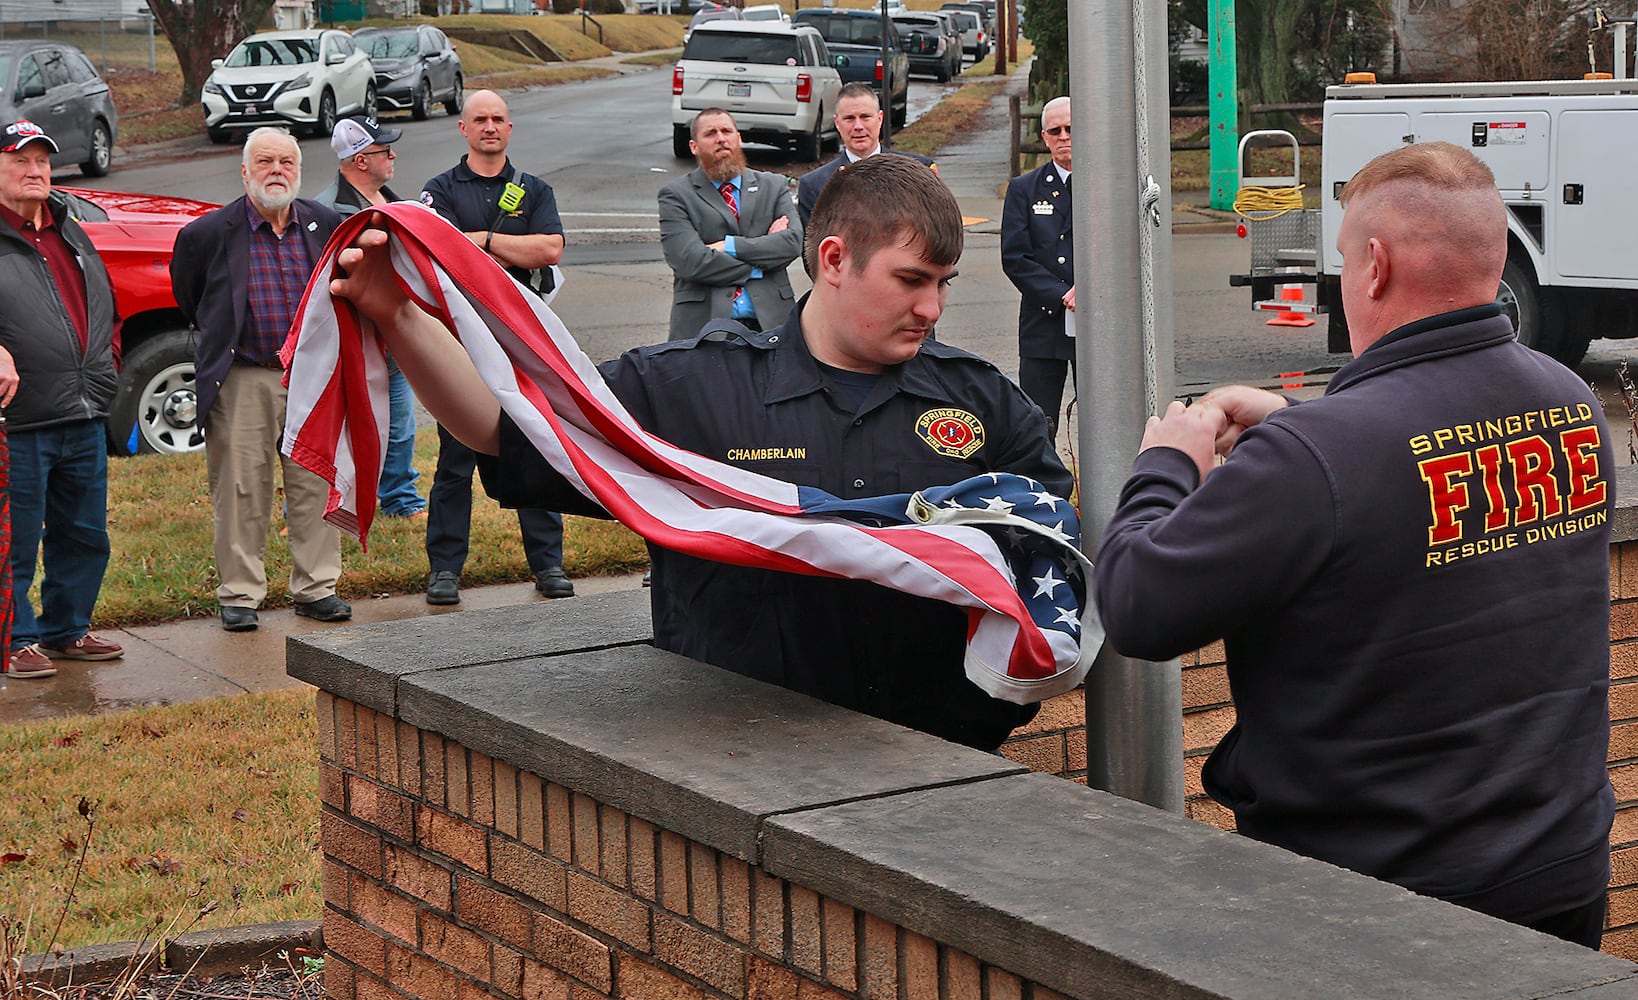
(933, 43)
(415, 67)
(857, 34)
(55, 86)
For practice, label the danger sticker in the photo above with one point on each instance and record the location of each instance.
(1505, 133)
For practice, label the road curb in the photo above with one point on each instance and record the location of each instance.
(201, 953)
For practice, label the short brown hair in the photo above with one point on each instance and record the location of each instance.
(1439, 165)
(882, 198)
(858, 89)
(694, 123)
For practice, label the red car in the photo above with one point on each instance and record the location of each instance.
(155, 406)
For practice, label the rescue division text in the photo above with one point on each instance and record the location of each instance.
(1521, 479)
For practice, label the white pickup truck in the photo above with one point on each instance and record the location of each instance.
(779, 81)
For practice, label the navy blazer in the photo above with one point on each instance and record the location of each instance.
(811, 183)
(210, 273)
(1038, 255)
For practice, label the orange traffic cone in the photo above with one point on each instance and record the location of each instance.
(1291, 293)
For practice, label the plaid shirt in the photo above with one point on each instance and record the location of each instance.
(279, 269)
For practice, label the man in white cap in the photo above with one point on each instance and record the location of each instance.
(365, 151)
(367, 159)
(57, 325)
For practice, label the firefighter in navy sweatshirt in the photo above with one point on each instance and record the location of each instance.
(1410, 575)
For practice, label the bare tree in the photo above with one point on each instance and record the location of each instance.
(202, 30)
(1517, 39)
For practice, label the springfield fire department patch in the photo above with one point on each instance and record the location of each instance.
(951, 432)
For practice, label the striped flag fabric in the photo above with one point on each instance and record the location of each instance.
(997, 546)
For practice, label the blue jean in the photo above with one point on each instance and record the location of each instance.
(396, 490)
(59, 499)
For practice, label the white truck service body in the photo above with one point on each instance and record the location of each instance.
(1565, 156)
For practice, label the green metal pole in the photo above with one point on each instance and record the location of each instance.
(1225, 108)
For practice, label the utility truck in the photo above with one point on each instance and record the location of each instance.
(1563, 152)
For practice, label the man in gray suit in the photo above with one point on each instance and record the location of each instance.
(728, 233)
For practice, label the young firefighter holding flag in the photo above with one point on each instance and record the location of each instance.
(848, 395)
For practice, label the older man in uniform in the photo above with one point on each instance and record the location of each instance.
(57, 377)
(513, 216)
(1410, 575)
(1038, 256)
(836, 397)
(728, 234)
(858, 121)
(239, 274)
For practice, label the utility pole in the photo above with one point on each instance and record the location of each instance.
(887, 83)
(1125, 358)
(1003, 17)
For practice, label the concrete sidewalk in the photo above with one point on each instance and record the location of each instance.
(193, 659)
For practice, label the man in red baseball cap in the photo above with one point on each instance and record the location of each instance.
(57, 379)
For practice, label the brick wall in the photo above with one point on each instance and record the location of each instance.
(450, 875)
(536, 802)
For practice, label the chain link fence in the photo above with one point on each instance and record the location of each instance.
(113, 35)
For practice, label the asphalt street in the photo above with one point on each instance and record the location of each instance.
(604, 146)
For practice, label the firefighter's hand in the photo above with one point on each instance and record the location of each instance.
(364, 277)
(1193, 430)
(1069, 299)
(1243, 407)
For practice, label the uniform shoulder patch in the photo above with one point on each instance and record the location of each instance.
(950, 431)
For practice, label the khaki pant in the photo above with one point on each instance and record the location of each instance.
(242, 437)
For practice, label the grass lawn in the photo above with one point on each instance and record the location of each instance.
(214, 801)
(162, 567)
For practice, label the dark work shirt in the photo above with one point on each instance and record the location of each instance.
(279, 270)
(471, 202)
(759, 401)
(63, 263)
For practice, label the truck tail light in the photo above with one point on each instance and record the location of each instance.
(878, 69)
(676, 79)
(804, 88)
(981, 38)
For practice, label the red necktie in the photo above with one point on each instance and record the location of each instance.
(727, 189)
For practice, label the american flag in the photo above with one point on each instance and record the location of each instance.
(997, 545)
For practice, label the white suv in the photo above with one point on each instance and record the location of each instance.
(307, 79)
(778, 80)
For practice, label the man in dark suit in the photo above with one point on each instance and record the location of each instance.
(859, 122)
(728, 233)
(1038, 255)
(239, 274)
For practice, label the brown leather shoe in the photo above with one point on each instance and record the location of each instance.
(27, 662)
(89, 646)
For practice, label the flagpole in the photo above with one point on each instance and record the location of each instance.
(1124, 353)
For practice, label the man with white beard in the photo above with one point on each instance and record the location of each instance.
(239, 274)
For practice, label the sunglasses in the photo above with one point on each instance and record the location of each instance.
(377, 152)
(1056, 131)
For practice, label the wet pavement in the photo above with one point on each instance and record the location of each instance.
(193, 659)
